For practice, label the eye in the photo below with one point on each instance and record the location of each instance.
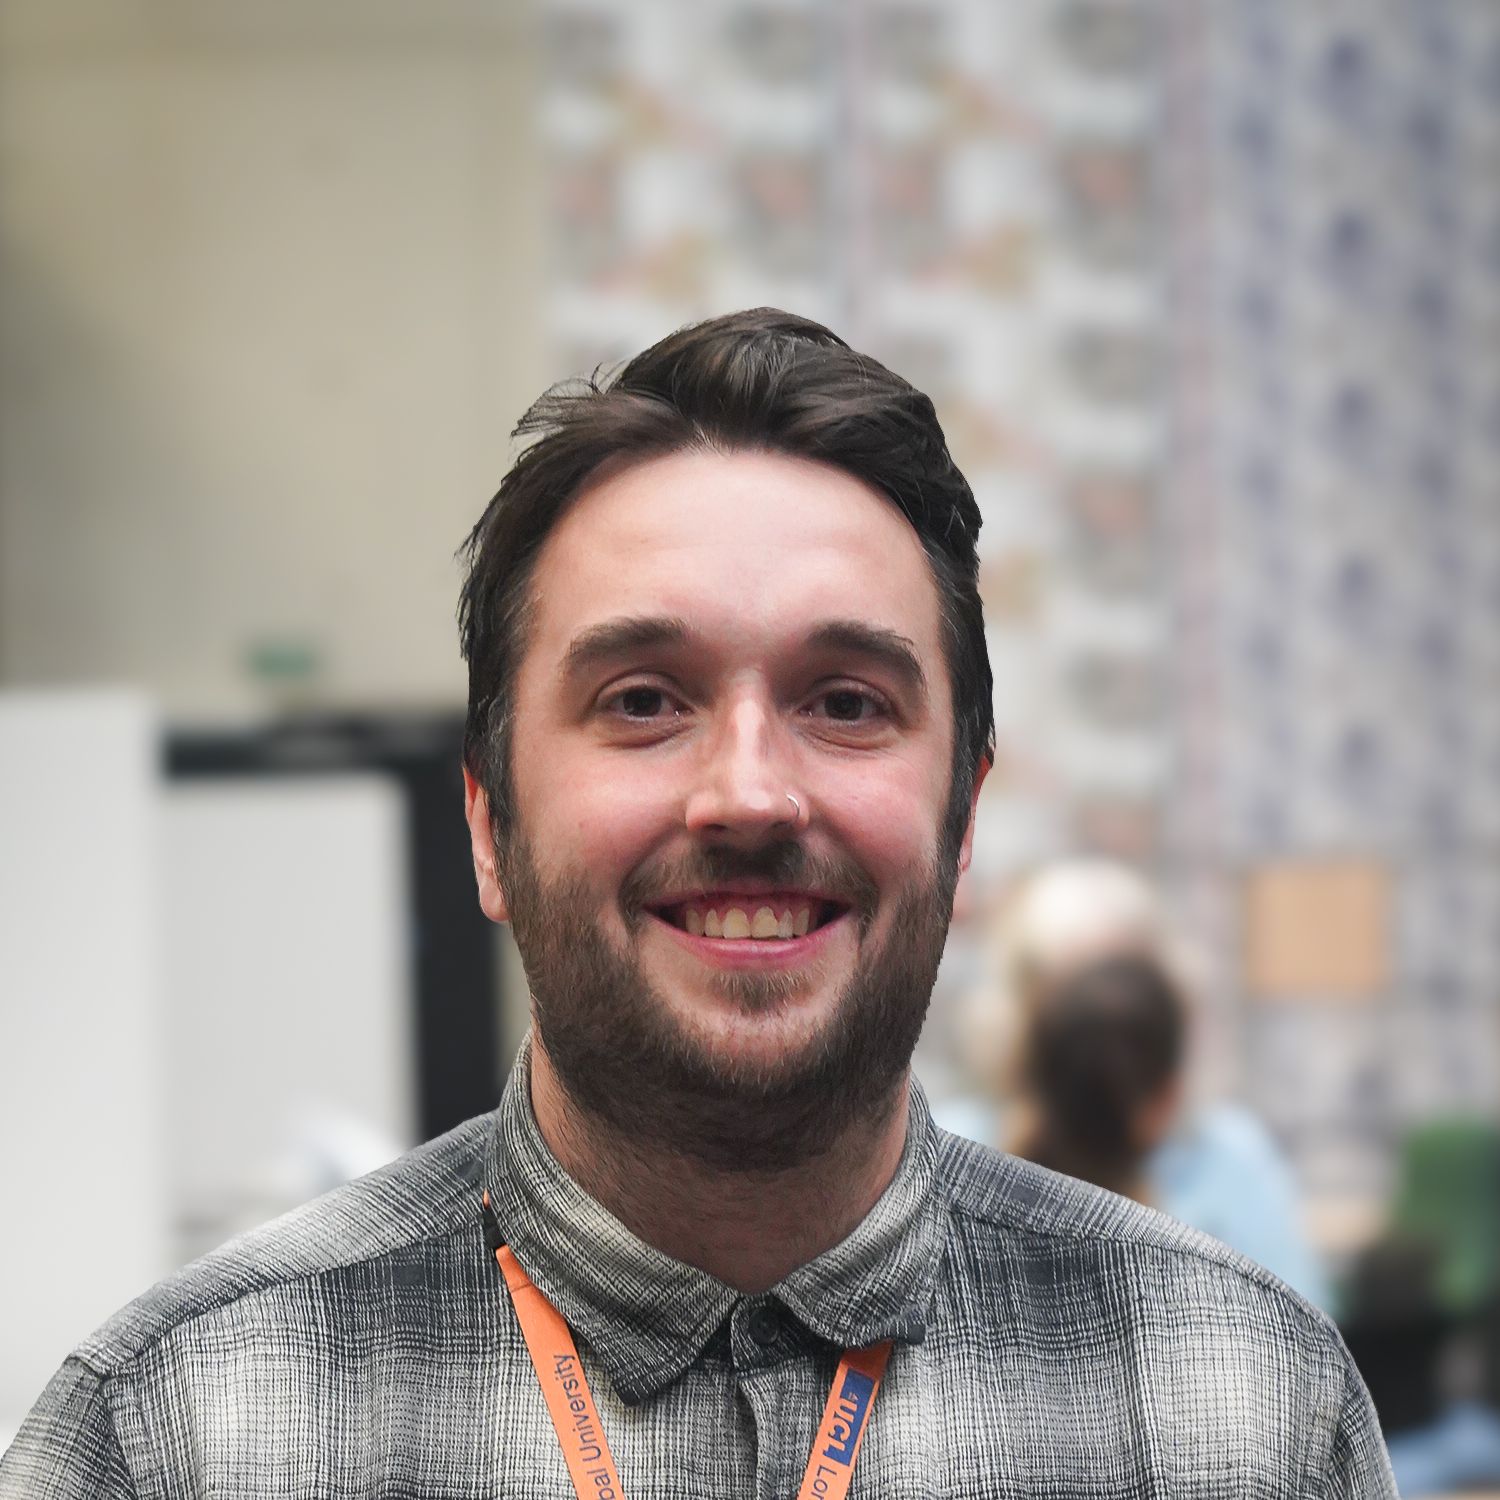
(641, 703)
(849, 705)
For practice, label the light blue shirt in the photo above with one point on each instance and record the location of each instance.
(1221, 1172)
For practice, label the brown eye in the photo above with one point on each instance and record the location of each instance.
(845, 705)
(857, 707)
(642, 702)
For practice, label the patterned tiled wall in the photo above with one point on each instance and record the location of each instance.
(1337, 244)
(1209, 300)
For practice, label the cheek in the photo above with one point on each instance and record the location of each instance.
(861, 808)
(592, 820)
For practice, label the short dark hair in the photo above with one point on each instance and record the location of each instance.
(756, 380)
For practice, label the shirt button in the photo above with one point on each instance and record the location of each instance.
(764, 1324)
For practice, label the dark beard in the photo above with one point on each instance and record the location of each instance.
(623, 1060)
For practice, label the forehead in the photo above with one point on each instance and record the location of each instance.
(751, 549)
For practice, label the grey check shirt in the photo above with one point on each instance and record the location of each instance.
(1050, 1341)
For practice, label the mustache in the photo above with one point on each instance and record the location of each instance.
(786, 863)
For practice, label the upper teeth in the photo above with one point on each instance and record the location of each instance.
(738, 922)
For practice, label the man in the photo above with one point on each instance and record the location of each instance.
(729, 716)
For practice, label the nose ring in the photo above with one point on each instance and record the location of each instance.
(796, 808)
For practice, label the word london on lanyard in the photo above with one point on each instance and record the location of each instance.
(580, 1434)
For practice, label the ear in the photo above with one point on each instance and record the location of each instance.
(482, 847)
(966, 849)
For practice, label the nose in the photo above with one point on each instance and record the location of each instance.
(742, 791)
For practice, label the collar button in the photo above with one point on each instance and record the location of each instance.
(763, 1324)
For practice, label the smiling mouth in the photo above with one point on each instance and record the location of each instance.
(772, 917)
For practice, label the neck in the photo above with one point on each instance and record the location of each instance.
(748, 1229)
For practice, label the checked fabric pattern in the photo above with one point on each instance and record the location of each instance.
(1051, 1341)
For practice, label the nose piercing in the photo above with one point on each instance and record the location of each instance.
(796, 808)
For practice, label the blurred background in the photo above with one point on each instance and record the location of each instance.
(1208, 298)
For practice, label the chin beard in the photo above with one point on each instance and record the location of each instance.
(626, 1063)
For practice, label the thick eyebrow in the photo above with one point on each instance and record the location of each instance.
(603, 643)
(890, 648)
(612, 638)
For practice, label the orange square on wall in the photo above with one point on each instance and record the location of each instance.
(1318, 928)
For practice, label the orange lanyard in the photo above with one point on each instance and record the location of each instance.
(580, 1434)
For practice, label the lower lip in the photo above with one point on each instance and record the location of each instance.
(755, 953)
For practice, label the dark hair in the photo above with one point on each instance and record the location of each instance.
(1104, 1040)
(757, 380)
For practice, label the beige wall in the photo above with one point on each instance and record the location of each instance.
(270, 303)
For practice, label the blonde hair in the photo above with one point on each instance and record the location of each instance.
(1071, 913)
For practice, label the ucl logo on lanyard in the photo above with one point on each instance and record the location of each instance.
(847, 1419)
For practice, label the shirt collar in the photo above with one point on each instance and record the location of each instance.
(645, 1316)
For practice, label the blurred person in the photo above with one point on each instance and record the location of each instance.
(1104, 1099)
(730, 709)
(1087, 1050)
(1061, 914)
(1101, 1069)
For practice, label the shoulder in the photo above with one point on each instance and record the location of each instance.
(1013, 1208)
(1179, 1340)
(421, 1198)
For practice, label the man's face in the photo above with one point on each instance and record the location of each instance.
(710, 634)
